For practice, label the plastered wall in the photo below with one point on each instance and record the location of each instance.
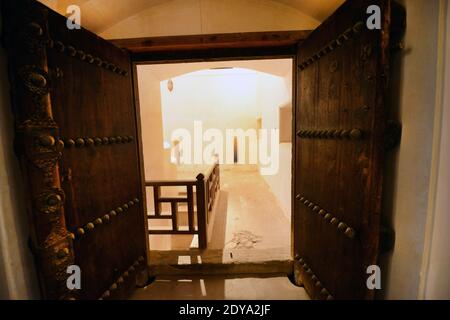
(407, 179)
(436, 263)
(274, 95)
(219, 99)
(181, 17)
(17, 274)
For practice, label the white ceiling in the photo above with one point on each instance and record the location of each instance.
(99, 15)
(317, 9)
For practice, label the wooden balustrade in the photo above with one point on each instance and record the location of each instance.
(206, 190)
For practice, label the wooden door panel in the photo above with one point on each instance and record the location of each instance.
(95, 165)
(92, 100)
(340, 122)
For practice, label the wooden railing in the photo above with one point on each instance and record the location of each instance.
(206, 190)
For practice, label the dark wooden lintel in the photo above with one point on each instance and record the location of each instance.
(208, 55)
(212, 41)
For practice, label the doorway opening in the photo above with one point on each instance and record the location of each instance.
(226, 127)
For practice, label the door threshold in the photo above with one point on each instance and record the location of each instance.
(216, 261)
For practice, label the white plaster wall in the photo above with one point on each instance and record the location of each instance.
(408, 181)
(151, 122)
(156, 164)
(220, 99)
(437, 261)
(183, 17)
(274, 93)
(18, 279)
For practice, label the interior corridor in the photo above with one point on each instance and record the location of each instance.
(183, 129)
(249, 227)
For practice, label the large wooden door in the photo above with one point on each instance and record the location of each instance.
(77, 141)
(341, 123)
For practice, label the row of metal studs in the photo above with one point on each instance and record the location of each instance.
(339, 41)
(89, 142)
(105, 219)
(89, 58)
(323, 291)
(353, 134)
(122, 278)
(341, 226)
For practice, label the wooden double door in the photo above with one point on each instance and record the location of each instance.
(78, 140)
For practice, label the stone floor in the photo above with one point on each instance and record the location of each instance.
(273, 287)
(249, 227)
(254, 218)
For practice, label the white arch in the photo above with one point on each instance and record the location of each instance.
(277, 67)
(146, 18)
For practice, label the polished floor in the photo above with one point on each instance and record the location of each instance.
(275, 287)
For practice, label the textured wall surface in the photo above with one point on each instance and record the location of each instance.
(408, 180)
(17, 274)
